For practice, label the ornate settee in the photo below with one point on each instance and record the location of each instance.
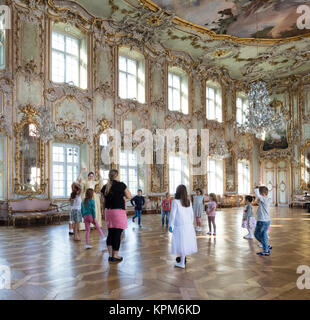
(32, 208)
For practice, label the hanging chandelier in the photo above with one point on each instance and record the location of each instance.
(260, 118)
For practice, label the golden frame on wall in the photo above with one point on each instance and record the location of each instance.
(29, 118)
(303, 168)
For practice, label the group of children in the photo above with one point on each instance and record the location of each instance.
(179, 215)
(83, 210)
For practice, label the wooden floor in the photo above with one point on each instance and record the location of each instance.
(46, 264)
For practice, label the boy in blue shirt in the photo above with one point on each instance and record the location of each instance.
(138, 202)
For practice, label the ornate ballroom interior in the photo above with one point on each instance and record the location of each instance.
(69, 70)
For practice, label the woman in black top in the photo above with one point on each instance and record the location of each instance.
(114, 194)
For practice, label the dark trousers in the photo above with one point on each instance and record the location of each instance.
(114, 238)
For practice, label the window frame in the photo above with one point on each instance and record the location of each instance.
(183, 77)
(184, 164)
(243, 98)
(65, 166)
(65, 53)
(140, 65)
(217, 92)
(127, 167)
(216, 176)
(244, 163)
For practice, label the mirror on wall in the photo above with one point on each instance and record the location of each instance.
(29, 158)
(305, 166)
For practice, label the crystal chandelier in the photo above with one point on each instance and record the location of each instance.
(260, 118)
(46, 128)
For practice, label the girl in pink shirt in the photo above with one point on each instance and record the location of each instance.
(211, 213)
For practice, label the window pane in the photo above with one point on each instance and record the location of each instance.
(58, 67)
(170, 80)
(122, 64)
(170, 97)
(72, 70)
(132, 87)
(132, 67)
(58, 41)
(122, 85)
(72, 46)
(176, 100)
(176, 82)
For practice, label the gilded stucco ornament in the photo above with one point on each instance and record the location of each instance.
(144, 26)
(5, 125)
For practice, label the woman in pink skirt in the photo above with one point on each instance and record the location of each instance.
(113, 194)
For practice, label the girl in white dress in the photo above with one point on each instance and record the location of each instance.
(181, 224)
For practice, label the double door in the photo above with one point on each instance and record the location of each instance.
(275, 176)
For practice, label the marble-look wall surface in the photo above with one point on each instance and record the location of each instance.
(27, 80)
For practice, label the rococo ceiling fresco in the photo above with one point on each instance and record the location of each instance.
(268, 19)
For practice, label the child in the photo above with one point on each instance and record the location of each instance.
(263, 219)
(198, 207)
(89, 215)
(165, 209)
(138, 202)
(181, 226)
(211, 213)
(75, 213)
(248, 220)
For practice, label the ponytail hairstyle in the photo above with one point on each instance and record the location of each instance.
(88, 195)
(213, 197)
(112, 176)
(76, 190)
(181, 194)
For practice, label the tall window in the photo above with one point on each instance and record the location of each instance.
(2, 167)
(215, 176)
(242, 105)
(131, 75)
(66, 168)
(243, 177)
(2, 46)
(214, 101)
(178, 172)
(69, 59)
(129, 170)
(177, 90)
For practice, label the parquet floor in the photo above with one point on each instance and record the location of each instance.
(46, 264)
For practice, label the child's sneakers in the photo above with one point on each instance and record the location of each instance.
(263, 253)
(180, 265)
(248, 236)
(88, 246)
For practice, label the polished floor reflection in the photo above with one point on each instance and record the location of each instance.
(46, 264)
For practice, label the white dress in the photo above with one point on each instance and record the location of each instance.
(183, 234)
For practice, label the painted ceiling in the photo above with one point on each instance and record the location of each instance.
(241, 18)
(154, 27)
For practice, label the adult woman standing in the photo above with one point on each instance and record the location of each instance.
(91, 183)
(114, 194)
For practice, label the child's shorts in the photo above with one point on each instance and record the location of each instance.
(75, 215)
(198, 219)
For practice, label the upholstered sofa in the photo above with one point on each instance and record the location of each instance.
(299, 200)
(32, 208)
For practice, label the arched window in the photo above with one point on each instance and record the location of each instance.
(69, 55)
(215, 176)
(243, 177)
(214, 101)
(131, 67)
(177, 90)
